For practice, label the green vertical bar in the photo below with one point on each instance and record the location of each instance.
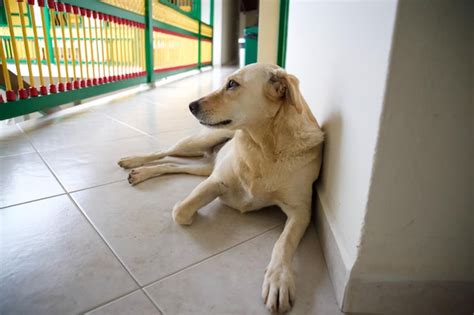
(212, 39)
(283, 32)
(149, 39)
(28, 15)
(195, 10)
(211, 22)
(198, 2)
(48, 40)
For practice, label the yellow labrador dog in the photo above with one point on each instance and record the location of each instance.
(262, 148)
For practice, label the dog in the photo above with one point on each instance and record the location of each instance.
(262, 147)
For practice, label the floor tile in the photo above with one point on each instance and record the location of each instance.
(169, 138)
(25, 177)
(162, 100)
(85, 166)
(127, 103)
(13, 141)
(137, 223)
(165, 94)
(53, 262)
(156, 118)
(132, 304)
(230, 283)
(74, 129)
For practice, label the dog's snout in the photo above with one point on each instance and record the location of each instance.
(194, 107)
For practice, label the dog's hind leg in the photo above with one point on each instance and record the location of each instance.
(141, 174)
(193, 146)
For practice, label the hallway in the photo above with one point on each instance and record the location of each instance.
(76, 237)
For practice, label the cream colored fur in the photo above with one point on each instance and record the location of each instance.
(272, 158)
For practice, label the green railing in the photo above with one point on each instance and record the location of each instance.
(54, 53)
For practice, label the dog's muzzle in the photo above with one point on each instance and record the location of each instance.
(195, 108)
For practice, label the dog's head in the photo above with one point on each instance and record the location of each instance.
(249, 96)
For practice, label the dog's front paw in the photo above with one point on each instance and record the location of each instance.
(181, 216)
(278, 290)
(130, 162)
(136, 176)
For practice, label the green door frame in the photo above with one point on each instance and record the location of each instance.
(283, 32)
(198, 9)
(149, 62)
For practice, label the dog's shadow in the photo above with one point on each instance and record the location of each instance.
(218, 226)
(331, 163)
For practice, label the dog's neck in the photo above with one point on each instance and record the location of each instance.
(260, 137)
(286, 133)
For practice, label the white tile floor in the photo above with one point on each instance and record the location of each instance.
(76, 237)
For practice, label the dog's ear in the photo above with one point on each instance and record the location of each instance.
(284, 86)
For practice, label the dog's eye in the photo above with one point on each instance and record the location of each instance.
(231, 85)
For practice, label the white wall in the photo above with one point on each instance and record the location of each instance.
(206, 11)
(217, 34)
(340, 53)
(268, 21)
(420, 216)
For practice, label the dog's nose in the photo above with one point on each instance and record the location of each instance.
(194, 107)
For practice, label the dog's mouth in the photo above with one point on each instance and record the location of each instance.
(221, 123)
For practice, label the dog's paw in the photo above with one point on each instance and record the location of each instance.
(181, 216)
(278, 290)
(130, 162)
(136, 176)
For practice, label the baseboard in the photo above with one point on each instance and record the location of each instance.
(410, 297)
(337, 270)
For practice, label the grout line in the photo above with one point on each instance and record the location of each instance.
(44, 161)
(100, 305)
(152, 301)
(210, 257)
(78, 144)
(103, 239)
(152, 135)
(99, 185)
(30, 201)
(126, 125)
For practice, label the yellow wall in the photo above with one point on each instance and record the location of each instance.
(169, 16)
(171, 50)
(206, 51)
